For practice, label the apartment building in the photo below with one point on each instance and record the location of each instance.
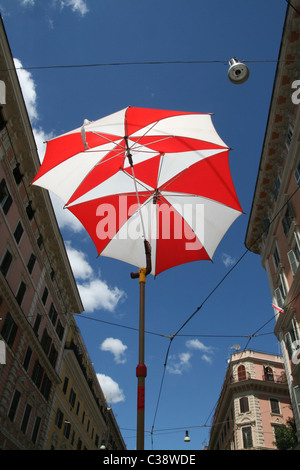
(81, 418)
(254, 400)
(50, 397)
(273, 229)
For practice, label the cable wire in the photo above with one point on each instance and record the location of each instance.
(211, 293)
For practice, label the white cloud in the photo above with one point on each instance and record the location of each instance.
(196, 344)
(179, 363)
(27, 2)
(116, 347)
(182, 362)
(28, 90)
(78, 6)
(207, 358)
(30, 97)
(110, 389)
(228, 260)
(94, 292)
(65, 218)
(78, 259)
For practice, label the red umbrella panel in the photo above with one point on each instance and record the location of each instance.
(144, 174)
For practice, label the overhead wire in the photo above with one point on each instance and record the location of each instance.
(212, 292)
(137, 63)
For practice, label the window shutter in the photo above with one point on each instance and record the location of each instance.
(293, 261)
(278, 296)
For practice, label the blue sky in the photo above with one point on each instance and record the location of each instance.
(85, 32)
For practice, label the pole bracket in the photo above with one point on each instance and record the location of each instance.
(141, 370)
(148, 268)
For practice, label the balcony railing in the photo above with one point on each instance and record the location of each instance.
(279, 378)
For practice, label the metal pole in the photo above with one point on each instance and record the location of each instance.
(141, 370)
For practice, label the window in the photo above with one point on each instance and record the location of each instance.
(25, 419)
(65, 386)
(294, 253)
(275, 409)
(277, 187)
(72, 397)
(37, 323)
(31, 263)
(247, 437)
(244, 404)
(67, 429)
(59, 418)
(289, 137)
(18, 232)
(5, 197)
(276, 257)
(36, 428)
(46, 341)
(297, 173)
(60, 330)
(45, 296)
(52, 314)
(287, 218)
(37, 373)
(6, 262)
(281, 291)
(30, 211)
(241, 372)
(266, 226)
(9, 330)
(27, 358)
(53, 356)
(291, 339)
(268, 374)
(21, 293)
(46, 386)
(14, 405)
(17, 174)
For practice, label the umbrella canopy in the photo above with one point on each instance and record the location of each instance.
(144, 174)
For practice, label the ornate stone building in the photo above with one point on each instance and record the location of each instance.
(273, 230)
(254, 399)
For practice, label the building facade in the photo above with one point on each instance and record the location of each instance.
(273, 230)
(253, 401)
(40, 345)
(81, 418)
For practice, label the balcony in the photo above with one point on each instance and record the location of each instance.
(266, 377)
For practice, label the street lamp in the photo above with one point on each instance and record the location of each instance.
(238, 72)
(187, 438)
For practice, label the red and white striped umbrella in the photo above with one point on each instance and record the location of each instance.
(145, 174)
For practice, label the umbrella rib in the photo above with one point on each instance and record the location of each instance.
(140, 182)
(154, 124)
(109, 140)
(154, 141)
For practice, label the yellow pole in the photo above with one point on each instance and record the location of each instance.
(141, 370)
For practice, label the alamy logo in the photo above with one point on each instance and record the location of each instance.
(129, 222)
(296, 94)
(2, 92)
